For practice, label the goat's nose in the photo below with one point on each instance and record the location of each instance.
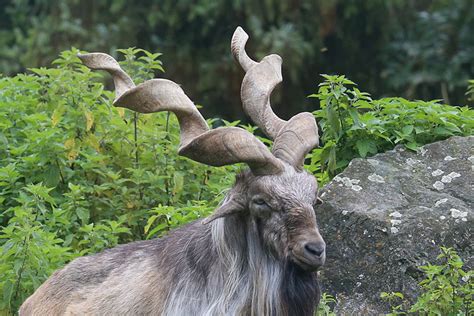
(314, 249)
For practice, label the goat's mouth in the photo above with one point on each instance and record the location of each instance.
(307, 264)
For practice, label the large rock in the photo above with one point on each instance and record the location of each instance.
(386, 215)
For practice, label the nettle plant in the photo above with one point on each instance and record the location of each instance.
(354, 125)
(446, 290)
(78, 175)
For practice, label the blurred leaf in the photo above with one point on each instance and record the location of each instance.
(365, 146)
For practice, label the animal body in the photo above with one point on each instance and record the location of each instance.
(257, 254)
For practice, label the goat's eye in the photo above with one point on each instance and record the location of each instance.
(261, 207)
(260, 201)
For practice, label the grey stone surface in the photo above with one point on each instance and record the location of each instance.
(386, 215)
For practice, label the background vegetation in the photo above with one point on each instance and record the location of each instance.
(417, 49)
(447, 290)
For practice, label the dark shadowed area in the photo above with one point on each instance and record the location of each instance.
(415, 49)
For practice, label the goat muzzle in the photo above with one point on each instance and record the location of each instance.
(310, 253)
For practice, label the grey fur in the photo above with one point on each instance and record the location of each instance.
(241, 264)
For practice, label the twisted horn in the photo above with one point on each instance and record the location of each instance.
(100, 61)
(294, 138)
(258, 84)
(218, 147)
(237, 46)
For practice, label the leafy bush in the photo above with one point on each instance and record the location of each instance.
(354, 125)
(447, 290)
(78, 175)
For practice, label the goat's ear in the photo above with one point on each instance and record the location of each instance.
(231, 205)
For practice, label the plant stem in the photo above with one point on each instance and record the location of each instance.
(203, 184)
(25, 250)
(60, 173)
(167, 185)
(135, 139)
(20, 272)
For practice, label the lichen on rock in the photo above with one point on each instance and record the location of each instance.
(425, 200)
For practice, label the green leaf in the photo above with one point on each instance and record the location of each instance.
(334, 123)
(354, 115)
(83, 214)
(178, 180)
(408, 129)
(332, 159)
(41, 191)
(7, 291)
(442, 131)
(365, 146)
(52, 176)
(412, 146)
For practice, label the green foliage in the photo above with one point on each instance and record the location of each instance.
(31, 250)
(470, 90)
(78, 175)
(424, 41)
(447, 290)
(355, 125)
(163, 218)
(393, 298)
(326, 305)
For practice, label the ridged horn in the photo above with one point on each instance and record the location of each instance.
(101, 61)
(218, 147)
(237, 46)
(258, 83)
(294, 138)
